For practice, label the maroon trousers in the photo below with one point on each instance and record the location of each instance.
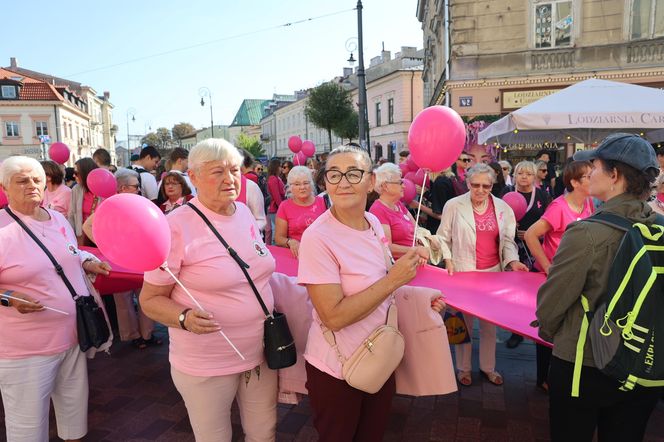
(345, 414)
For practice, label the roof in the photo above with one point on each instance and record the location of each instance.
(250, 113)
(56, 81)
(31, 88)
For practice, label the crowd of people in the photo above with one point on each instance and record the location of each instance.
(356, 242)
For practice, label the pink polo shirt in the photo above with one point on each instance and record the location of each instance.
(25, 268)
(203, 266)
(59, 199)
(402, 227)
(559, 215)
(300, 217)
(333, 253)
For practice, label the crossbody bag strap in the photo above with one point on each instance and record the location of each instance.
(58, 268)
(243, 265)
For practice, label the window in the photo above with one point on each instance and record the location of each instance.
(378, 114)
(647, 19)
(8, 91)
(390, 111)
(11, 129)
(553, 24)
(41, 128)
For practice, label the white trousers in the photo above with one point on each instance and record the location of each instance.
(28, 385)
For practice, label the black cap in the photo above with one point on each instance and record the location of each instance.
(625, 148)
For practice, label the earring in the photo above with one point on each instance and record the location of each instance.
(613, 188)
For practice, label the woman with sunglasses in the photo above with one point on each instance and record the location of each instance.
(276, 193)
(286, 167)
(477, 231)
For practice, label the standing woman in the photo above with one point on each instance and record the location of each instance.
(174, 191)
(299, 211)
(57, 196)
(343, 265)
(83, 202)
(286, 167)
(40, 359)
(276, 191)
(477, 232)
(623, 168)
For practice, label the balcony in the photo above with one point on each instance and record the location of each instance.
(645, 52)
(552, 60)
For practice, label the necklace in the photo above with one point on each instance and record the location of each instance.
(481, 208)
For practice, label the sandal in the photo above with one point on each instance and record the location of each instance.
(139, 343)
(152, 342)
(494, 377)
(464, 378)
(544, 387)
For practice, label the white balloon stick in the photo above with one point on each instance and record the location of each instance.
(419, 207)
(28, 302)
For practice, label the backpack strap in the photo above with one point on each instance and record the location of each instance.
(612, 220)
(580, 345)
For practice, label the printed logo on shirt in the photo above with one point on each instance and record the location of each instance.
(72, 249)
(252, 232)
(260, 249)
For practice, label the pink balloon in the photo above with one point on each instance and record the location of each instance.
(518, 204)
(3, 199)
(125, 220)
(102, 183)
(410, 163)
(308, 148)
(295, 143)
(300, 159)
(436, 138)
(409, 191)
(59, 152)
(419, 177)
(411, 176)
(404, 168)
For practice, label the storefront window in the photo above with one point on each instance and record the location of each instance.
(553, 24)
(647, 19)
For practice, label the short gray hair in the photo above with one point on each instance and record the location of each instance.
(214, 149)
(122, 176)
(507, 164)
(478, 169)
(384, 173)
(13, 165)
(527, 166)
(356, 150)
(298, 172)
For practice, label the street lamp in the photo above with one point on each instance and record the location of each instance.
(205, 92)
(131, 112)
(361, 80)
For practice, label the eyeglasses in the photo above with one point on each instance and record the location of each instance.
(483, 186)
(466, 160)
(305, 184)
(506, 169)
(541, 170)
(400, 182)
(353, 176)
(285, 167)
(133, 186)
(171, 183)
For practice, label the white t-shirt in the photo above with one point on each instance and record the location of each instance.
(149, 188)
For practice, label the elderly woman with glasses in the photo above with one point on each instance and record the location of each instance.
(477, 231)
(174, 191)
(40, 359)
(206, 370)
(57, 195)
(397, 222)
(299, 211)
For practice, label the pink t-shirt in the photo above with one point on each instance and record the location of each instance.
(90, 203)
(333, 253)
(559, 215)
(486, 246)
(277, 191)
(215, 280)
(402, 227)
(300, 217)
(59, 199)
(25, 268)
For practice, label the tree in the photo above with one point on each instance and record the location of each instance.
(329, 105)
(181, 130)
(165, 138)
(250, 144)
(150, 139)
(349, 128)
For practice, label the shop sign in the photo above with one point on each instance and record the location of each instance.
(465, 101)
(518, 99)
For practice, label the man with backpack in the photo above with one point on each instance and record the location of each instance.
(146, 163)
(603, 303)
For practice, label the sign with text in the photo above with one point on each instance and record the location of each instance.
(518, 99)
(465, 101)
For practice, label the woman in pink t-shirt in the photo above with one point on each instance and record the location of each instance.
(206, 370)
(297, 212)
(40, 358)
(343, 265)
(57, 196)
(575, 205)
(83, 202)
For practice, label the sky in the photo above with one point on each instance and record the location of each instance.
(155, 56)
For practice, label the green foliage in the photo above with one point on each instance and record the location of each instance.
(328, 107)
(164, 136)
(151, 139)
(181, 130)
(349, 128)
(250, 144)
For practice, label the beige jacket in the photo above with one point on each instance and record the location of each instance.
(457, 233)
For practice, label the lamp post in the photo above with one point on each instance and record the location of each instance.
(205, 92)
(131, 112)
(361, 84)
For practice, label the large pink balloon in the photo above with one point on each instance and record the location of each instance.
(102, 183)
(308, 148)
(131, 231)
(59, 152)
(411, 176)
(518, 204)
(404, 168)
(436, 138)
(419, 177)
(300, 159)
(3, 199)
(409, 191)
(295, 143)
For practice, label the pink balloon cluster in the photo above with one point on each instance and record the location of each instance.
(301, 149)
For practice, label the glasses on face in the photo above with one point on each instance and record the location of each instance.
(305, 184)
(542, 170)
(466, 160)
(285, 167)
(132, 186)
(171, 183)
(353, 176)
(506, 169)
(481, 186)
(400, 182)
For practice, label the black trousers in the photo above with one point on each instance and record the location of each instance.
(543, 361)
(617, 415)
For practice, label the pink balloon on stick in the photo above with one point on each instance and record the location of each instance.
(3, 199)
(518, 204)
(404, 168)
(410, 163)
(59, 152)
(295, 143)
(436, 138)
(308, 148)
(142, 223)
(419, 177)
(102, 183)
(412, 176)
(299, 159)
(409, 191)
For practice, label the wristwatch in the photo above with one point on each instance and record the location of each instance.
(4, 300)
(182, 317)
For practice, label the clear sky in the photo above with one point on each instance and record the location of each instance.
(249, 54)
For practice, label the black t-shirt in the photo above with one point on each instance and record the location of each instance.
(442, 190)
(536, 211)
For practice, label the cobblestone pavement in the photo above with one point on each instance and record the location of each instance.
(132, 398)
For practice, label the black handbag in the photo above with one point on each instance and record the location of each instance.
(278, 343)
(91, 325)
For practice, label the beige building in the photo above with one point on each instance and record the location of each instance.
(228, 133)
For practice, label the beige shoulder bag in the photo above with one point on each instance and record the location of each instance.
(374, 361)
